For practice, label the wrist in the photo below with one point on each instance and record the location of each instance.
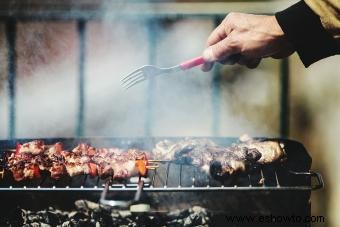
(275, 28)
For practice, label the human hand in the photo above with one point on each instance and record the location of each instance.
(246, 39)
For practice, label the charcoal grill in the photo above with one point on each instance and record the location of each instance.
(281, 188)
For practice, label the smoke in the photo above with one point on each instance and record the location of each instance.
(47, 83)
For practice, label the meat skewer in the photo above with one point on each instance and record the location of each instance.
(31, 158)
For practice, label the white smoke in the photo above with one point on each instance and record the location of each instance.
(47, 95)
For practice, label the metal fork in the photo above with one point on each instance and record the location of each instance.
(148, 71)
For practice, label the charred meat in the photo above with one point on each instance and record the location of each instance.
(219, 160)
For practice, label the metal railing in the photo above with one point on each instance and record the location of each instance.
(151, 13)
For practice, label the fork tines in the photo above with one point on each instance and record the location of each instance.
(133, 78)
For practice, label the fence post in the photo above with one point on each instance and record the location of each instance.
(81, 29)
(284, 97)
(11, 75)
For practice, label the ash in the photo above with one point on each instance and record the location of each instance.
(91, 214)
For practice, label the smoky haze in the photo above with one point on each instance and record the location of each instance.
(47, 84)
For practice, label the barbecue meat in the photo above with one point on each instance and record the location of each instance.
(57, 170)
(271, 151)
(117, 163)
(218, 160)
(18, 173)
(33, 157)
(168, 150)
(31, 171)
(74, 169)
(197, 152)
(24, 165)
(233, 160)
(207, 155)
(34, 147)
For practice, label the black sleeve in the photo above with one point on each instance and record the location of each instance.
(304, 30)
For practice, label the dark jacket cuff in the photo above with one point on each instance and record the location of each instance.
(304, 30)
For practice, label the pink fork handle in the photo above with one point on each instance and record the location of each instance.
(192, 63)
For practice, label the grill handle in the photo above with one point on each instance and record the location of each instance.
(120, 203)
(320, 183)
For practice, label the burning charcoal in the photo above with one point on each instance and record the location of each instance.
(125, 213)
(175, 222)
(41, 212)
(187, 222)
(66, 224)
(103, 217)
(33, 218)
(88, 214)
(143, 220)
(178, 214)
(115, 215)
(200, 210)
(77, 215)
(196, 219)
(51, 218)
(129, 222)
(174, 214)
(38, 224)
(16, 217)
(85, 223)
(199, 215)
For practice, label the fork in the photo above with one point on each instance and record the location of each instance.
(147, 71)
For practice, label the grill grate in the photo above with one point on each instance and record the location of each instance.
(173, 177)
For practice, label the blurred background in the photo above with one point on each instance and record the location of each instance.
(62, 61)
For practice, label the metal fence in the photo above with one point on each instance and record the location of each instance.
(151, 13)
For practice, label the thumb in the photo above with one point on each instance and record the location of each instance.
(220, 50)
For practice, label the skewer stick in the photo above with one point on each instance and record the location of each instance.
(14, 150)
(155, 166)
(155, 160)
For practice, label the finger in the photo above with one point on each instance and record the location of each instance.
(282, 54)
(206, 67)
(249, 62)
(242, 60)
(221, 50)
(253, 63)
(217, 35)
(231, 60)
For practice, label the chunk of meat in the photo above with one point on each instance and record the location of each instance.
(219, 160)
(271, 151)
(34, 147)
(57, 170)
